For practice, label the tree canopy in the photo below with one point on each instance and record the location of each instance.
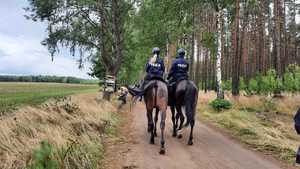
(251, 37)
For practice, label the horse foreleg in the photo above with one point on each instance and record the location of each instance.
(155, 121)
(162, 127)
(190, 142)
(173, 121)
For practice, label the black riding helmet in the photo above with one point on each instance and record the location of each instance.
(155, 50)
(181, 52)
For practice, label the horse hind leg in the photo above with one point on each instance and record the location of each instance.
(174, 122)
(181, 121)
(150, 125)
(180, 116)
(162, 127)
(192, 123)
(155, 122)
(149, 121)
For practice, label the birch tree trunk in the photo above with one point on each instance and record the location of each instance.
(195, 55)
(220, 93)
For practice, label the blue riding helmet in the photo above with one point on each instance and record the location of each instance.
(181, 52)
(155, 50)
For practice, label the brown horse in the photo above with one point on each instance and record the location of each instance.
(156, 97)
(186, 96)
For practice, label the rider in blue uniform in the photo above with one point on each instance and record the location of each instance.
(155, 69)
(179, 71)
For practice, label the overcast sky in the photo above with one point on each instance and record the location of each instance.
(21, 51)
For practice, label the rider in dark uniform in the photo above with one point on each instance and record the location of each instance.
(179, 71)
(155, 69)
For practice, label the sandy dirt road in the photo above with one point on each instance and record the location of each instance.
(211, 150)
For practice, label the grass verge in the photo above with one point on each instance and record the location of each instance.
(264, 123)
(64, 133)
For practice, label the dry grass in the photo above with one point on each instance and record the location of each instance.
(82, 119)
(262, 122)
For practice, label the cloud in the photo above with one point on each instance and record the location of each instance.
(22, 55)
(21, 51)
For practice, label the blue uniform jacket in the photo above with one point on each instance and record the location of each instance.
(157, 69)
(179, 69)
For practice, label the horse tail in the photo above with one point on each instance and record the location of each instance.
(190, 97)
(155, 94)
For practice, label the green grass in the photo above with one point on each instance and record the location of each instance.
(13, 95)
(258, 133)
(265, 124)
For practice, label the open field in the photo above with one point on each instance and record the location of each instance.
(13, 95)
(264, 123)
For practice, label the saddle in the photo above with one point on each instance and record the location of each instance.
(146, 85)
(158, 78)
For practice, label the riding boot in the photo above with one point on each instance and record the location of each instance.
(172, 90)
(138, 91)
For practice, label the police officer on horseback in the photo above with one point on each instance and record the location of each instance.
(155, 69)
(179, 71)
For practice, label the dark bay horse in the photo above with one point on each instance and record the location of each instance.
(156, 97)
(186, 97)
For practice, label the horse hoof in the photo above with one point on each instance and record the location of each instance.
(174, 135)
(162, 151)
(152, 141)
(190, 142)
(179, 136)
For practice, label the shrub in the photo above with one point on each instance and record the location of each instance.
(253, 87)
(270, 83)
(219, 104)
(289, 82)
(44, 157)
(243, 85)
(73, 155)
(226, 85)
(297, 78)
